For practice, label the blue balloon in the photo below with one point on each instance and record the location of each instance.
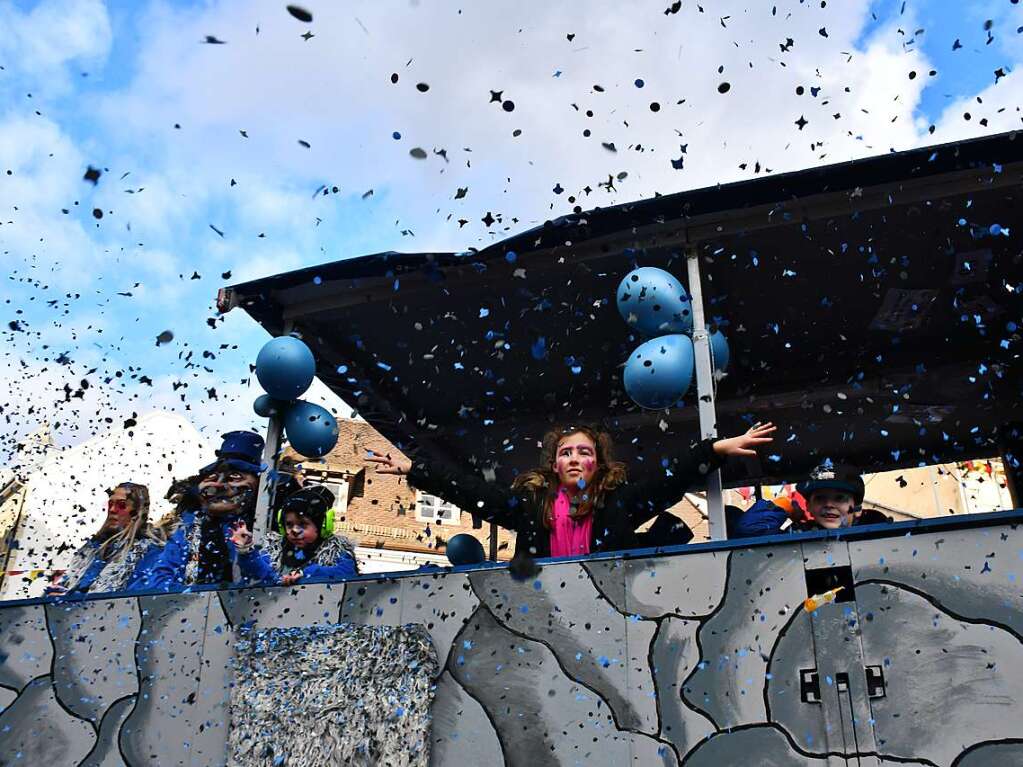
(465, 549)
(266, 406)
(310, 429)
(285, 367)
(654, 302)
(659, 371)
(719, 351)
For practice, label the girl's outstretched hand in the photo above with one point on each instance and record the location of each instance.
(398, 465)
(746, 444)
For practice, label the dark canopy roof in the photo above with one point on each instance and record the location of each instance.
(869, 307)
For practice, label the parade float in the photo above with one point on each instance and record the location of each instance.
(870, 308)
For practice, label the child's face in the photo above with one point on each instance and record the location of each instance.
(832, 509)
(301, 532)
(575, 459)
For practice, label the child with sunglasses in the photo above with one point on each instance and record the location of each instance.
(124, 546)
(304, 546)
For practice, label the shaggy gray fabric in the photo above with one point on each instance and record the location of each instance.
(116, 575)
(328, 695)
(327, 553)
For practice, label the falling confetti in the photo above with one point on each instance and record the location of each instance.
(300, 13)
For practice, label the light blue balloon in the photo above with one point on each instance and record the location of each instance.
(719, 351)
(310, 429)
(658, 373)
(654, 302)
(285, 367)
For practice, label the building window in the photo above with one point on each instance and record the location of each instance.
(430, 508)
(338, 489)
(336, 484)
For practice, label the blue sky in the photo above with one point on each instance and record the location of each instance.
(962, 71)
(109, 81)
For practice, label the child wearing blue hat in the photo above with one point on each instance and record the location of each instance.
(834, 497)
(304, 546)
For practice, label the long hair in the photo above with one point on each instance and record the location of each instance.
(184, 497)
(122, 540)
(608, 475)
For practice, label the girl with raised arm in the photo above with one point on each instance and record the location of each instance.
(579, 499)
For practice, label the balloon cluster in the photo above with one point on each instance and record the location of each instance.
(659, 371)
(285, 368)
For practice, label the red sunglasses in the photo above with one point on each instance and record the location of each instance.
(118, 503)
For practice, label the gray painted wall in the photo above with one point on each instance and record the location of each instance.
(692, 658)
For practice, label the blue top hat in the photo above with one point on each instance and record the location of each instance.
(241, 450)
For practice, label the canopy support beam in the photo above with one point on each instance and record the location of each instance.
(268, 479)
(705, 393)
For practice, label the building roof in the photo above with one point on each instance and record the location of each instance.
(868, 306)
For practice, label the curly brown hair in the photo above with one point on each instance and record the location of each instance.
(608, 475)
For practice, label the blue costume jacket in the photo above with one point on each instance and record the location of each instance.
(177, 567)
(764, 518)
(334, 559)
(90, 573)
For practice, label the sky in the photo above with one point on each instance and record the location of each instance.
(234, 140)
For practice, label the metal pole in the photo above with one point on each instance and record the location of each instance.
(960, 478)
(1013, 479)
(705, 393)
(267, 480)
(264, 500)
(934, 490)
(493, 541)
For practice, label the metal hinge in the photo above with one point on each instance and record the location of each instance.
(809, 685)
(875, 682)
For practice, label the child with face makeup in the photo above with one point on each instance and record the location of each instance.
(125, 545)
(578, 500)
(307, 549)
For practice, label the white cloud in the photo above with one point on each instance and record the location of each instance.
(334, 91)
(998, 104)
(38, 43)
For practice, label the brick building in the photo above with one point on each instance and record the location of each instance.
(394, 525)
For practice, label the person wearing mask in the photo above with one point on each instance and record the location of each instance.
(199, 549)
